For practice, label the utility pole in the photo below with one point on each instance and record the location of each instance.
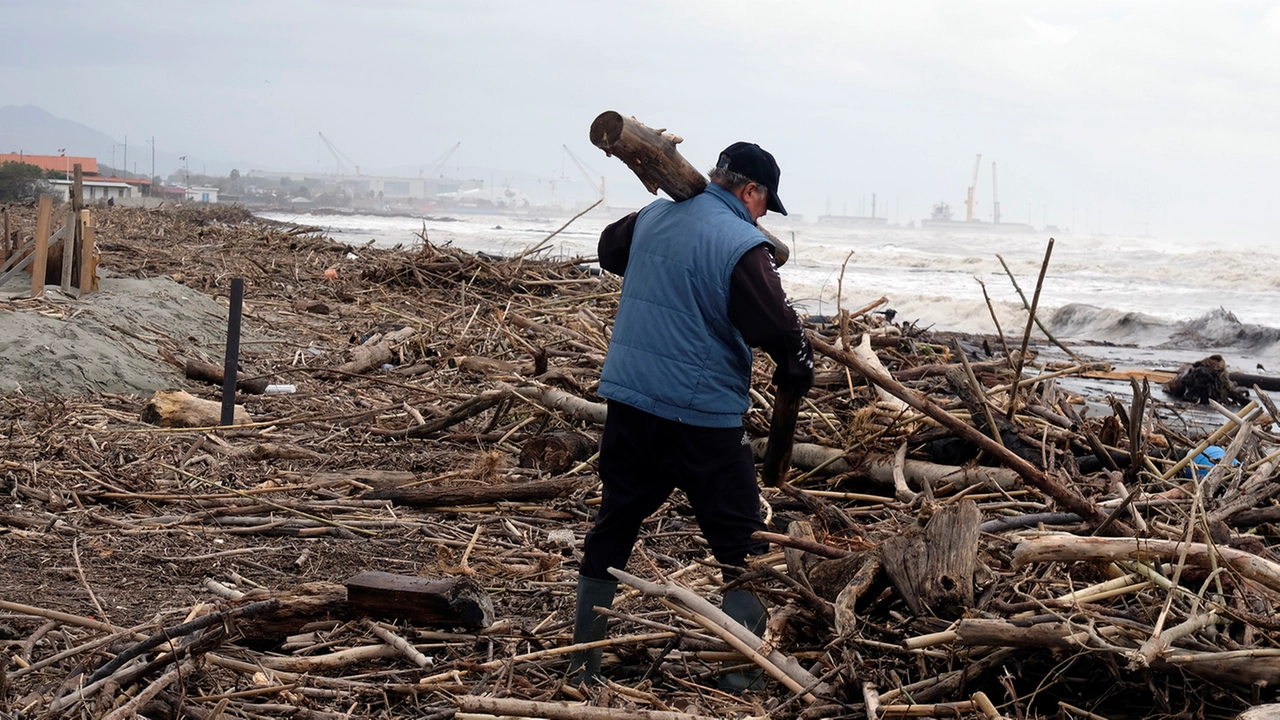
(126, 156)
(153, 158)
(995, 199)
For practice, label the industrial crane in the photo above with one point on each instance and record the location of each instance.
(995, 198)
(338, 157)
(586, 175)
(973, 188)
(444, 159)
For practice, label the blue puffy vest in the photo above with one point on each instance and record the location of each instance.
(674, 353)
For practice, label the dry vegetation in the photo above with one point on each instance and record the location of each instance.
(1007, 582)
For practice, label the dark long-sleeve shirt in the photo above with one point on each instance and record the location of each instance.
(758, 307)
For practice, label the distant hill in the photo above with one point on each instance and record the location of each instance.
(27, 128)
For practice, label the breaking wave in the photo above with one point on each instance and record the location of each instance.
(1218, 328)
(1221, 328)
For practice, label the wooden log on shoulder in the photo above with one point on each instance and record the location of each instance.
(447, 602)
(653, 157)
(175, 408)
(212, 374)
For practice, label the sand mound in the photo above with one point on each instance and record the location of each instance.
(107, 343)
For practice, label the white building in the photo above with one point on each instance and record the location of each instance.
(202, 194)
(91, 190)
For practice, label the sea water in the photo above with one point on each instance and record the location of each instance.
(1136, 301)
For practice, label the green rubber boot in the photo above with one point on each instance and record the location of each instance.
(744, 607)
(590, 626)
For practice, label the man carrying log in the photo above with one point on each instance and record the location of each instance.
(700, 290)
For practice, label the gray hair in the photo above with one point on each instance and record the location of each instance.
(729, 180)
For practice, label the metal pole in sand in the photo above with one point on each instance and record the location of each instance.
(233, 352)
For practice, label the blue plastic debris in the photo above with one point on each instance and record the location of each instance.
(1204, 462)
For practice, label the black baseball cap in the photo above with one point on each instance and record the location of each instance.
(756, 164)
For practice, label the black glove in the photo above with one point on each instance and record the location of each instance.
(796, 374)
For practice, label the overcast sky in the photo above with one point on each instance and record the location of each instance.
(1162, 113)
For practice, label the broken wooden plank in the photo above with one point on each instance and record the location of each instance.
(22, 260)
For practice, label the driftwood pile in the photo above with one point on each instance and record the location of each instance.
(399, 537)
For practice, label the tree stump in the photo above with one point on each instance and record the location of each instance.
(933, 570)
(1205, 380)
(556, 452)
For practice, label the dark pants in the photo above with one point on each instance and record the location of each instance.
(643, 458)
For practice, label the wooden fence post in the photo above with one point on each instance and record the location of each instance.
(87, 274)
(71, 239)
(69, 249)
(40, 259)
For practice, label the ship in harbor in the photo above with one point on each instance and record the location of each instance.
(942, 217)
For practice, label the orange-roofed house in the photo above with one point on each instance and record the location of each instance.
(56, 163)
